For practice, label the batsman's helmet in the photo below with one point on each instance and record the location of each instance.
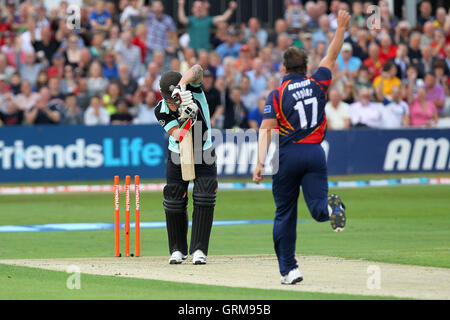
(167, 83)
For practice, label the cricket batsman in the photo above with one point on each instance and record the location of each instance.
(184, 99)
(297, 110)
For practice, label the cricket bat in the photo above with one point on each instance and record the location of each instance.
(187, 152)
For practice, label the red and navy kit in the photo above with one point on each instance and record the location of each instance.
(298, 105)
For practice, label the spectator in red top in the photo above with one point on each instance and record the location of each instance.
(5, 28)
(388, 51)
(438, 43)
(374, 62)
(140, 38)
(57, 68)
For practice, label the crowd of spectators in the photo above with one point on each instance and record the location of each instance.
(107, 69)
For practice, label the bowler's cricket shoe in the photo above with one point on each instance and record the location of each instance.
(177, 257)
(199, 257)
(336, 209)
(292, 277)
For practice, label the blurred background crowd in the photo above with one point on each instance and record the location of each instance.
(105, 67)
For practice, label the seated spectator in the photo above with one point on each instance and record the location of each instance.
(217, 117)
(388, 79)
(110, 68)
(83, 98)
(31, 69)
(128, 84)
(249, 98)
(425, 64)
(346, 61)
(146, 111)
(414, 52)
(361, 48)
(130, 14)
(245, 61)
(231, 47)
(401, 61)
(130, 54)
(435, 92)
(100, 18)
(153, 73)
(5, 68)
(395, 112)
(257, 77)
(161, 28)
(96, 83)
(212, 95)
(425, 13)
(82, 69)
(441, 17)
(48, 44)
(42, 81)
(254, 29)
(42, 112)
(122, 116)
(26, 99)
(69, 82)
(365, 112)
(236, 115)
(57, 67)
(228, 71)
(98, 45)
(438, 44)
(12, 115)
(96, 114)
(72, 114)
(255, 115)
(374, 62)
(56, 96)
(220, 35)
(72, 53)
(337, 111)
(388, 50)
(423, 113)
(402, 33)
(321, 35)
(427, 35)
(441, 76)
(140, 39)
(113, 95)
(14, 83)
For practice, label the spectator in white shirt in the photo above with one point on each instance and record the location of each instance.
(249, 98)
(96, 114)
(146, 112)
(129, 13)
(365, 112)
(338, 112)
(395, 114)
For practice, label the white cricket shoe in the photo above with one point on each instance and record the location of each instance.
(177, 257)
(199, 257)
(292, 277)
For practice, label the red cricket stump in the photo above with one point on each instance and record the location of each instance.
(137, 211)
(116, 217)
(127, 216)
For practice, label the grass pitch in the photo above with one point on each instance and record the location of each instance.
(406, 225)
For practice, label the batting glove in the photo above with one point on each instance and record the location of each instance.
(182, 96)
(188, 111)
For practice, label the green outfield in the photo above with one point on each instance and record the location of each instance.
(402, 225)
